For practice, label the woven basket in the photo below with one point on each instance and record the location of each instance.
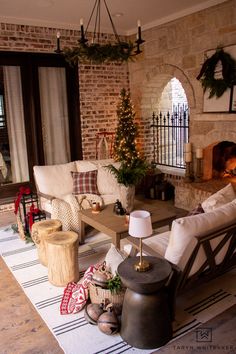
(99, 295)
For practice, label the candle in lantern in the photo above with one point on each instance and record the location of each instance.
(199, 153)
(188, 156)
(187, 147)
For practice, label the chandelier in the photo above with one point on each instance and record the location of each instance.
(97, 52)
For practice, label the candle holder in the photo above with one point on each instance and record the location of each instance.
(188, 173)
(199, 172)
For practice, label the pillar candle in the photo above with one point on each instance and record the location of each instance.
(199, 153)
(188, 156)
(187, 147)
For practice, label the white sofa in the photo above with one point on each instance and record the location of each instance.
(54, 185)
(199, 246)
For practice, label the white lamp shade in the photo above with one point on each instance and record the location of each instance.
(140, 224)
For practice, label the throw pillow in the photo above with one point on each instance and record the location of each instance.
(218, 199)
(197, 210)
(113, 258)
(85, 182)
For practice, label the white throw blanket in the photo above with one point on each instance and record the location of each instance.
(67, 209)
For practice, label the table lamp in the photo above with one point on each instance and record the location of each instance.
(140, 226)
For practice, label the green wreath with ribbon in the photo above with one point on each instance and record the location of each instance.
(217, 86)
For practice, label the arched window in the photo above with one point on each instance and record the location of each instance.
(171, 126)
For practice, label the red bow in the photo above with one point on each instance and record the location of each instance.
(33, 211)
(22, 190)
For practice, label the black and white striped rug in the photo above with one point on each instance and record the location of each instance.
(72, 332)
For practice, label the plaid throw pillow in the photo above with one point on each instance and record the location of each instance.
(85, 182)
(197, 210)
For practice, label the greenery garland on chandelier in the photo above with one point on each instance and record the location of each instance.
(100, 53)
(217, 86)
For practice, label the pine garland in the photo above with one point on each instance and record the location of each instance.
(207, 74)
(100, 53)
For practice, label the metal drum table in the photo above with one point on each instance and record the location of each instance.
(146, 316)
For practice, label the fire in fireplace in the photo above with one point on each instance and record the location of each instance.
(224, 160)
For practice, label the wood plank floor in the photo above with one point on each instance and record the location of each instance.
(22, 331)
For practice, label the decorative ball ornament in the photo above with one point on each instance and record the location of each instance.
(217, 86)
(102, 276)
(93, 312)
(108, 322)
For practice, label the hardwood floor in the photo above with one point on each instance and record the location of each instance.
(22, 331)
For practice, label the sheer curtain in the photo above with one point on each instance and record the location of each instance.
(15, 124)
(54, 115)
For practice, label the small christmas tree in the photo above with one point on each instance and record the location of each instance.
(133, 168)
(126, 132)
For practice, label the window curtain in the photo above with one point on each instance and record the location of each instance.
(54, 115)
(15, 123)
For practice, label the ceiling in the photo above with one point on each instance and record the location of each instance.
(67, 13)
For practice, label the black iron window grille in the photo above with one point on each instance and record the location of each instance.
(170, 132)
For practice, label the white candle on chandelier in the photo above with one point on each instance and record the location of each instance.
(139, 30)
(199, 153)
(81, 21)
(58, 35)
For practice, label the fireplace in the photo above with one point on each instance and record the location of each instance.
(220, 161)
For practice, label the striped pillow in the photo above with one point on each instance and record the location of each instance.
(85, 182)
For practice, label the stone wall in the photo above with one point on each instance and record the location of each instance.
(176, 49)
(100, 85)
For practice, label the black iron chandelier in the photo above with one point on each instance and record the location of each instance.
(97, 52)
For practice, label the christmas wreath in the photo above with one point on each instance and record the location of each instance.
(217, 86)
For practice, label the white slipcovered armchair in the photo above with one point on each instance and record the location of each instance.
(54, 185)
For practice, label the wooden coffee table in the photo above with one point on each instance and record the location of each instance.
(115, 226)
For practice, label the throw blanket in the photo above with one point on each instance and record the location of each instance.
(67, 209)
(76, 294)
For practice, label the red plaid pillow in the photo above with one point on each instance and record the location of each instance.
(85, 182)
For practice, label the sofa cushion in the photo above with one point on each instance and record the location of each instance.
(85, 166)
(85, 182)
(55, 180)
(107, 182)
(182, 240)
(223, 196)
(158, 242)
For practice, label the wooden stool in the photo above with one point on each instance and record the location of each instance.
(62, 252)
(40, 230)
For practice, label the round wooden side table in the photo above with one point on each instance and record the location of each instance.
(146, 317)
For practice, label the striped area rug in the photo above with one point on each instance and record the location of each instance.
(73, 333)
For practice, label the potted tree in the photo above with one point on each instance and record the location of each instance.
(132, 166)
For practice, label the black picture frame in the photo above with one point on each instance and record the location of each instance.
(232, 107)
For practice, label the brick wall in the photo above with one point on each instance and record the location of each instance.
(100, 85)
